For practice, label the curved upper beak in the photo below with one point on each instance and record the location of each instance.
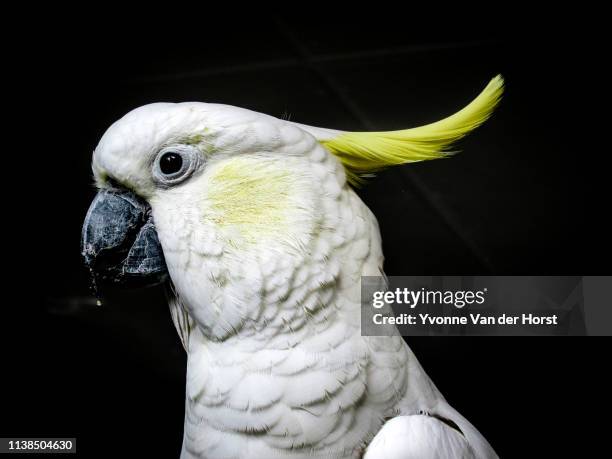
(119, 242)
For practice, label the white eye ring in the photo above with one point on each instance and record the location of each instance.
(174, 164)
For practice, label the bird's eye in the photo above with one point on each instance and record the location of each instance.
(170, 163)
(174, 164)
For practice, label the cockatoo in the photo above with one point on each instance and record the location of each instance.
(253, 224)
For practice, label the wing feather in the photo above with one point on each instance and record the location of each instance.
(418, 436)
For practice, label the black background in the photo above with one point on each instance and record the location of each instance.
(527, 196)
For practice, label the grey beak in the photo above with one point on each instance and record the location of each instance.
(119, 242)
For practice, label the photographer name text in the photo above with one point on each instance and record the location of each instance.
(474, 319)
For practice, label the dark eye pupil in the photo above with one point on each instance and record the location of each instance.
(170, 163)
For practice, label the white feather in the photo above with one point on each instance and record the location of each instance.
(418, 437)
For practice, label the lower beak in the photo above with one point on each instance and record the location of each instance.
(119, 241)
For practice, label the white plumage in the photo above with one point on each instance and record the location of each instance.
(265, 245)
(418, 437)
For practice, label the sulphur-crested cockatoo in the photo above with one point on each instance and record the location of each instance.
(252, 222)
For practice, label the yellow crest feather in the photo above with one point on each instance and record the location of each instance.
(363, 153)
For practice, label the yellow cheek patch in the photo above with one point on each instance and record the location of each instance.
(250, 197)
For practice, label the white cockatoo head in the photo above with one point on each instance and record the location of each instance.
(247, 181)
(230, 192)
(219, 197)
